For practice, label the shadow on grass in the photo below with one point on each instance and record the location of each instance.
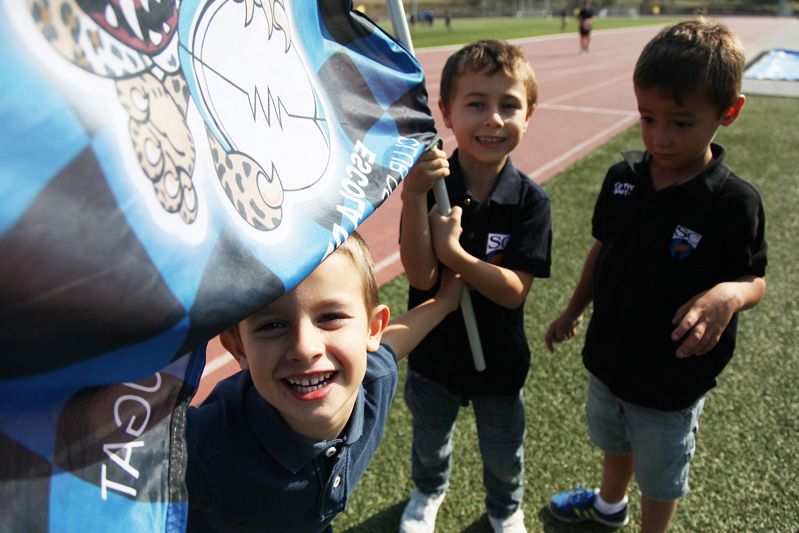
(388, 519)
(384, 521)
(550, 524)
(480, 525)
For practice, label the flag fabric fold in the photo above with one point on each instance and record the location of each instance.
(166, 169)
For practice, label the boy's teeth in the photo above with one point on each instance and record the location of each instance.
(310, 382)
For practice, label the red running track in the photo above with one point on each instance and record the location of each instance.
(584, 100)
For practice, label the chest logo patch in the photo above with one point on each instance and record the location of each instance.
(623, 189)
(684, 242)
(495, 245)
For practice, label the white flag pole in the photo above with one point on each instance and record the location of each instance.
(400, 24)
(444, 208)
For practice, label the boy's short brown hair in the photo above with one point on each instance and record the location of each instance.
(357, 251)
(693, 55)
(489, 56)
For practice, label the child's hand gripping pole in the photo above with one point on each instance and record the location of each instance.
(444, 208)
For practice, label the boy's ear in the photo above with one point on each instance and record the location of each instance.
(231, 341)
(442, 106)
(377, 325)
(734, 111)
(530, 111)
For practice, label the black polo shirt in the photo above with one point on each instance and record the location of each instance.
(512, 229)
(249, 471)
(660, 249)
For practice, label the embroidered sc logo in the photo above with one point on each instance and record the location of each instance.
(683, 242)
(495, 245)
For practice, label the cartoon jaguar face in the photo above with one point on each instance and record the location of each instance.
(144, 25)
(163, 59)
(134, 44)
(255, 108)
(111, 38)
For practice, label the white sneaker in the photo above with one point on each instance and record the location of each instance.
(512, 524)
(420, 513)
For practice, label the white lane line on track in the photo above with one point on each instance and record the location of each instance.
(589, 88)
(387, 262)
(216, 363)
(584, 109)
(619, 125)
(540, 38)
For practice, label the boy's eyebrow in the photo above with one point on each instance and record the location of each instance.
(269, 312)
(327, 302)
(262, 313)
(484, 95)
(686, 112)
(335, 300)
(475, 93)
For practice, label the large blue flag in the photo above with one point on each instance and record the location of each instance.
(166, 168)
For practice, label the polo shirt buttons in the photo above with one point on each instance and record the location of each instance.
(330, 452)
(467, 201)
(337, 482)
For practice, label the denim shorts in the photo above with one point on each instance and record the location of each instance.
(663, 442)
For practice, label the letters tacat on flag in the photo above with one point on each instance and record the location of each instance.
(167, 168)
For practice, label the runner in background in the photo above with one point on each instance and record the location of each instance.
(585, 19)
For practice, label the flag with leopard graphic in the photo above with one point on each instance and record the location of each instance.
(167, 169)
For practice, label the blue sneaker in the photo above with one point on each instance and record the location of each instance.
(578, 506)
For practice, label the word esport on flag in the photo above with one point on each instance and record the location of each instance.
(167, 168)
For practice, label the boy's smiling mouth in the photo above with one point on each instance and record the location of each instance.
(484, 139)
(310, 383)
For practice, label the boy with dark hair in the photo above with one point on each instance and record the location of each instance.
(679, 250)
(498, 239)
(280, 445)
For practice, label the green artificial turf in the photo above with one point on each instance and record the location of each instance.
(469, 29)
(742, 478)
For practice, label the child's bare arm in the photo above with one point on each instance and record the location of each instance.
(404, 332)
(564, 327)
(416, 248)
(703, 318)
(503, 286)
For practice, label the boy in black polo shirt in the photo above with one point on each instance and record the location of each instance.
(497, 238)
(281, 445)
(679, 250)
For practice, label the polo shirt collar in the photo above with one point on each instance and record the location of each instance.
(709, 180)
(291, 450)
(505, 191)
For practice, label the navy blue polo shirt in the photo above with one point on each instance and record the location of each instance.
(659, 250)
(249, 471)
(512, 229)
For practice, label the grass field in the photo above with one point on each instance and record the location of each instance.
(467, 30)
(742, 479)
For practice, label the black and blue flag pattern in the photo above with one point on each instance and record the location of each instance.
(167, 168)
